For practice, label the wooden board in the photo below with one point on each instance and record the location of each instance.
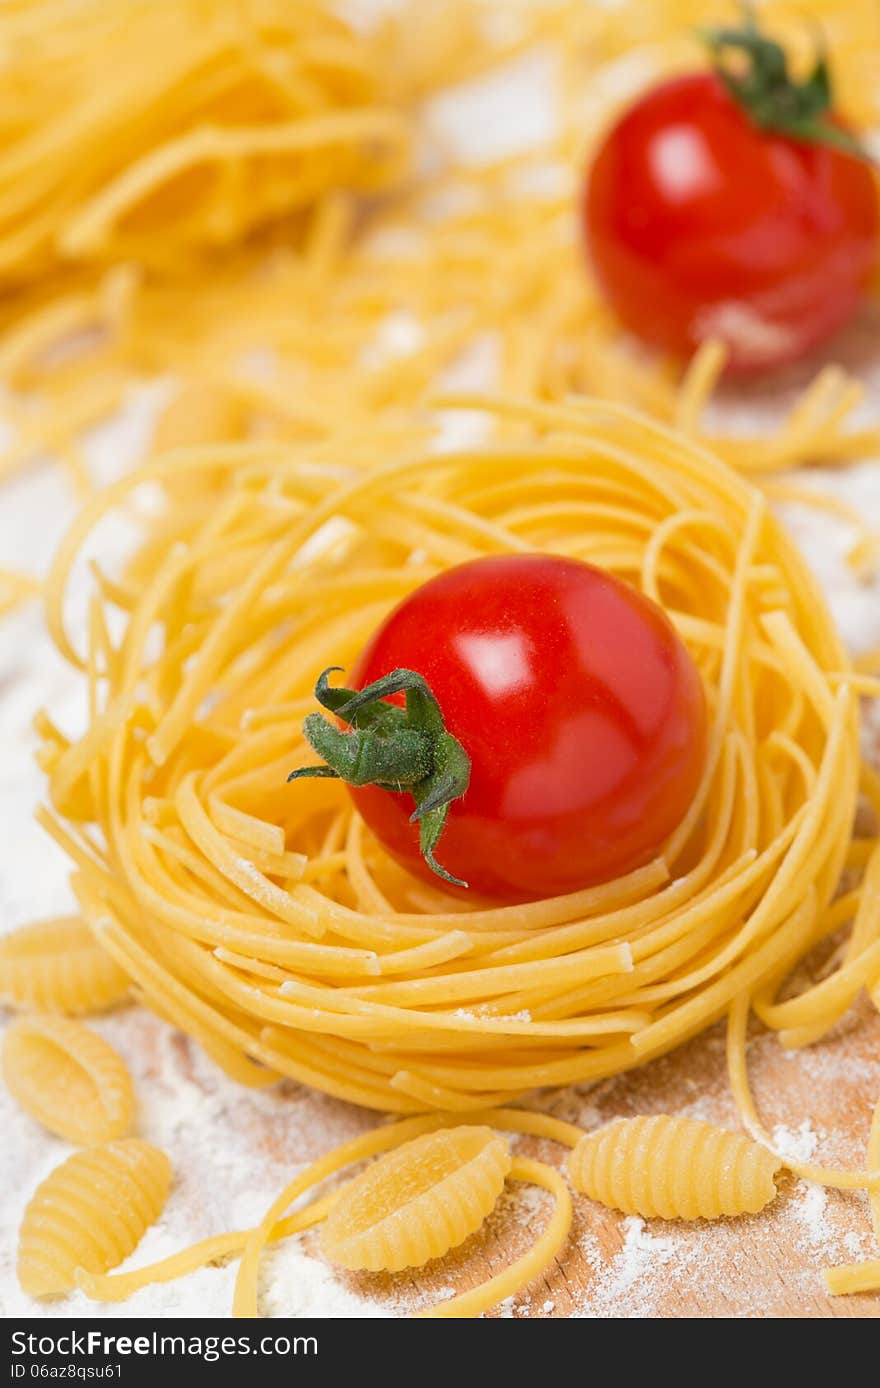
(765, 1266)
(233, 1150)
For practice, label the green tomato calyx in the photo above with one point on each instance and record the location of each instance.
(773, 99)
(395, 748)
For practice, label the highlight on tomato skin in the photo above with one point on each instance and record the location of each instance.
(701, 223)
(579, 707)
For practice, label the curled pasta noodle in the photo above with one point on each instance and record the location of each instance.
(120, 1286)
(264, 920)
(673, 1168)
(381, 1139)
(68, 1078)
(737, 1066)
(418, 1201)
(57, 966)
(16, 589)
(90, 1213)
(384, 1139)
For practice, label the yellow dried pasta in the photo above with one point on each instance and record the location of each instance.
(418, 1201)
(673, 1168)
(213, 120)
(90, 1213)
(68, 1078)
(250, 1242)
(15, 589)
(57, 966)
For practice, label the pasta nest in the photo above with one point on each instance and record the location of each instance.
(157, 129)
(263, 919)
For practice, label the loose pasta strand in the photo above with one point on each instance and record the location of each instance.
(737, 1064)
(531, 1264)
(862, 1277)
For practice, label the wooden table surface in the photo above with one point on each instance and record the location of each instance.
(767, 1265)
(234, 1149)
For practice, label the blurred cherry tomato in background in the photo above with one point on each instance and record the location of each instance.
(702, 224)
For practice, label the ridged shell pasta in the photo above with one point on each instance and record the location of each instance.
(57, 966)
(418, 1201)
(90, 1213)
(68, 1078)
(675, 1168)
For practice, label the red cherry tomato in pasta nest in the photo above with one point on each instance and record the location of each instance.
(581, 711)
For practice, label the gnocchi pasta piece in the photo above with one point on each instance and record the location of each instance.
(57, 966)
(674, 1168)
(90, 1213)
(418, 1201)
(68, 1078)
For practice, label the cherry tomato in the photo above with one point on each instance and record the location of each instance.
(700, 224)
(581, 711)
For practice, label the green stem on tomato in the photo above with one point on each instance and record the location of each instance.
(771, 97)
(397, 749)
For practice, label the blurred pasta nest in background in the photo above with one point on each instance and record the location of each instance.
(262, 920)
(154, 129)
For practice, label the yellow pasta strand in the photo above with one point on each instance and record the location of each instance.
(16, 589)
(381, 1139)
(737, 1066)
(418, 1201)
(68, 1078)
(56, 966)
(384, 1139)
(674, 1168)
(120, 1286)
(862, 1277)
(90, 1213)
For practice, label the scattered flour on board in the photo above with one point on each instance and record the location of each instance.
(626, 1285)
(293, 1284)
(810, 1202)
(799, 1143)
